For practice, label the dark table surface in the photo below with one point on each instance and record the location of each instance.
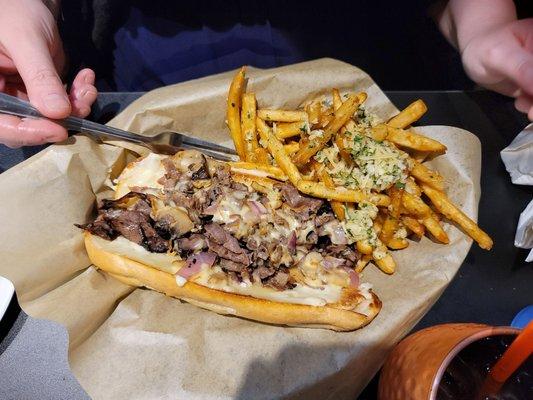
(491, 287)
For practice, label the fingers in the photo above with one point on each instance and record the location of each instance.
(524, 103)
(512, 60)
(16, 132)
(45, 89)
(83, 93)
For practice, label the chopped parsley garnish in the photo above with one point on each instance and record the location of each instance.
(399, 185)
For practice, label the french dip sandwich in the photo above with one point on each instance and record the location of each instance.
(232, 240)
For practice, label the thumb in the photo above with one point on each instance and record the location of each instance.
(45, 90)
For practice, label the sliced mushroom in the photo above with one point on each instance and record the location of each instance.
(176, 217)
(192, 163)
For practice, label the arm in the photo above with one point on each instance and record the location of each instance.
(496, 48)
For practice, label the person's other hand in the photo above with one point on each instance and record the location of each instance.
(31, 54)
(502, 60)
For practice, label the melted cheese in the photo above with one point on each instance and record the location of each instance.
(166, 262)
(364, 306)
(298, 295)
(143, 173)
(230, 206)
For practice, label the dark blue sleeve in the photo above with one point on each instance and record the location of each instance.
(152, 49)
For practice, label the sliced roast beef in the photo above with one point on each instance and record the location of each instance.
(343, 251)
(181, 199)
(99, 227)
(154, 242)
(143, 206)
(134, 223)
(225, 245)
(172, 175)
(222, 175)
(280, 280)
(221, 236)
(263, 272)
(323, 219)
(297, 201)
(223, 252)
(127, 223)
(230, 265)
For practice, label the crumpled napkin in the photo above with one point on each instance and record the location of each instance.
(518, 160)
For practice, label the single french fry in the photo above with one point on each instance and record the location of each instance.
(248, 112)
(412, 140)
(313, 111)
(415, 206)
(276, 149)
(323, 176)
(445, 206)
(396, 196)
(261, 156)
(342, 194)
(413, 225)
(434, 227)
(364, 247)
(377, 225)
(286, 130)
(317, 189)
(282, 115)
(387, 230)
(386, 263)
(419, 155)
(397, 244)
(380, 218)
(323, 121)
(342, 115)
(256, 169)
(412, 187)
(251, 180)
(362, 262)
(379, 199)
(337, 101)
(233, 114)
(339, 141)
(291, 148)
(379, 132)
(349, 126)
(390, 224)
(412, 113)
(423, 174)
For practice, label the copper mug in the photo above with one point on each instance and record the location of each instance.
(414, 369)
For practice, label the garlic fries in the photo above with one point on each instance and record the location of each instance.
(371, 171)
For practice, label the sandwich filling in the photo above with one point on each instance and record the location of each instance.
(188, 216)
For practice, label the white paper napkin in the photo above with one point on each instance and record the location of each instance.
(518, 160)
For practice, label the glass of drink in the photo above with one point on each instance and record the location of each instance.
(452, 361)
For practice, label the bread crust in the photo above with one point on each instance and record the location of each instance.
(138, 274)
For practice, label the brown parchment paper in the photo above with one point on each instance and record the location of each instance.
(139, 344)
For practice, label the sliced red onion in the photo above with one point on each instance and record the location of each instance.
(291, 244)
(330, 262)
(257, 207)
(196, 262)
(354, 277)
(212, 209)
